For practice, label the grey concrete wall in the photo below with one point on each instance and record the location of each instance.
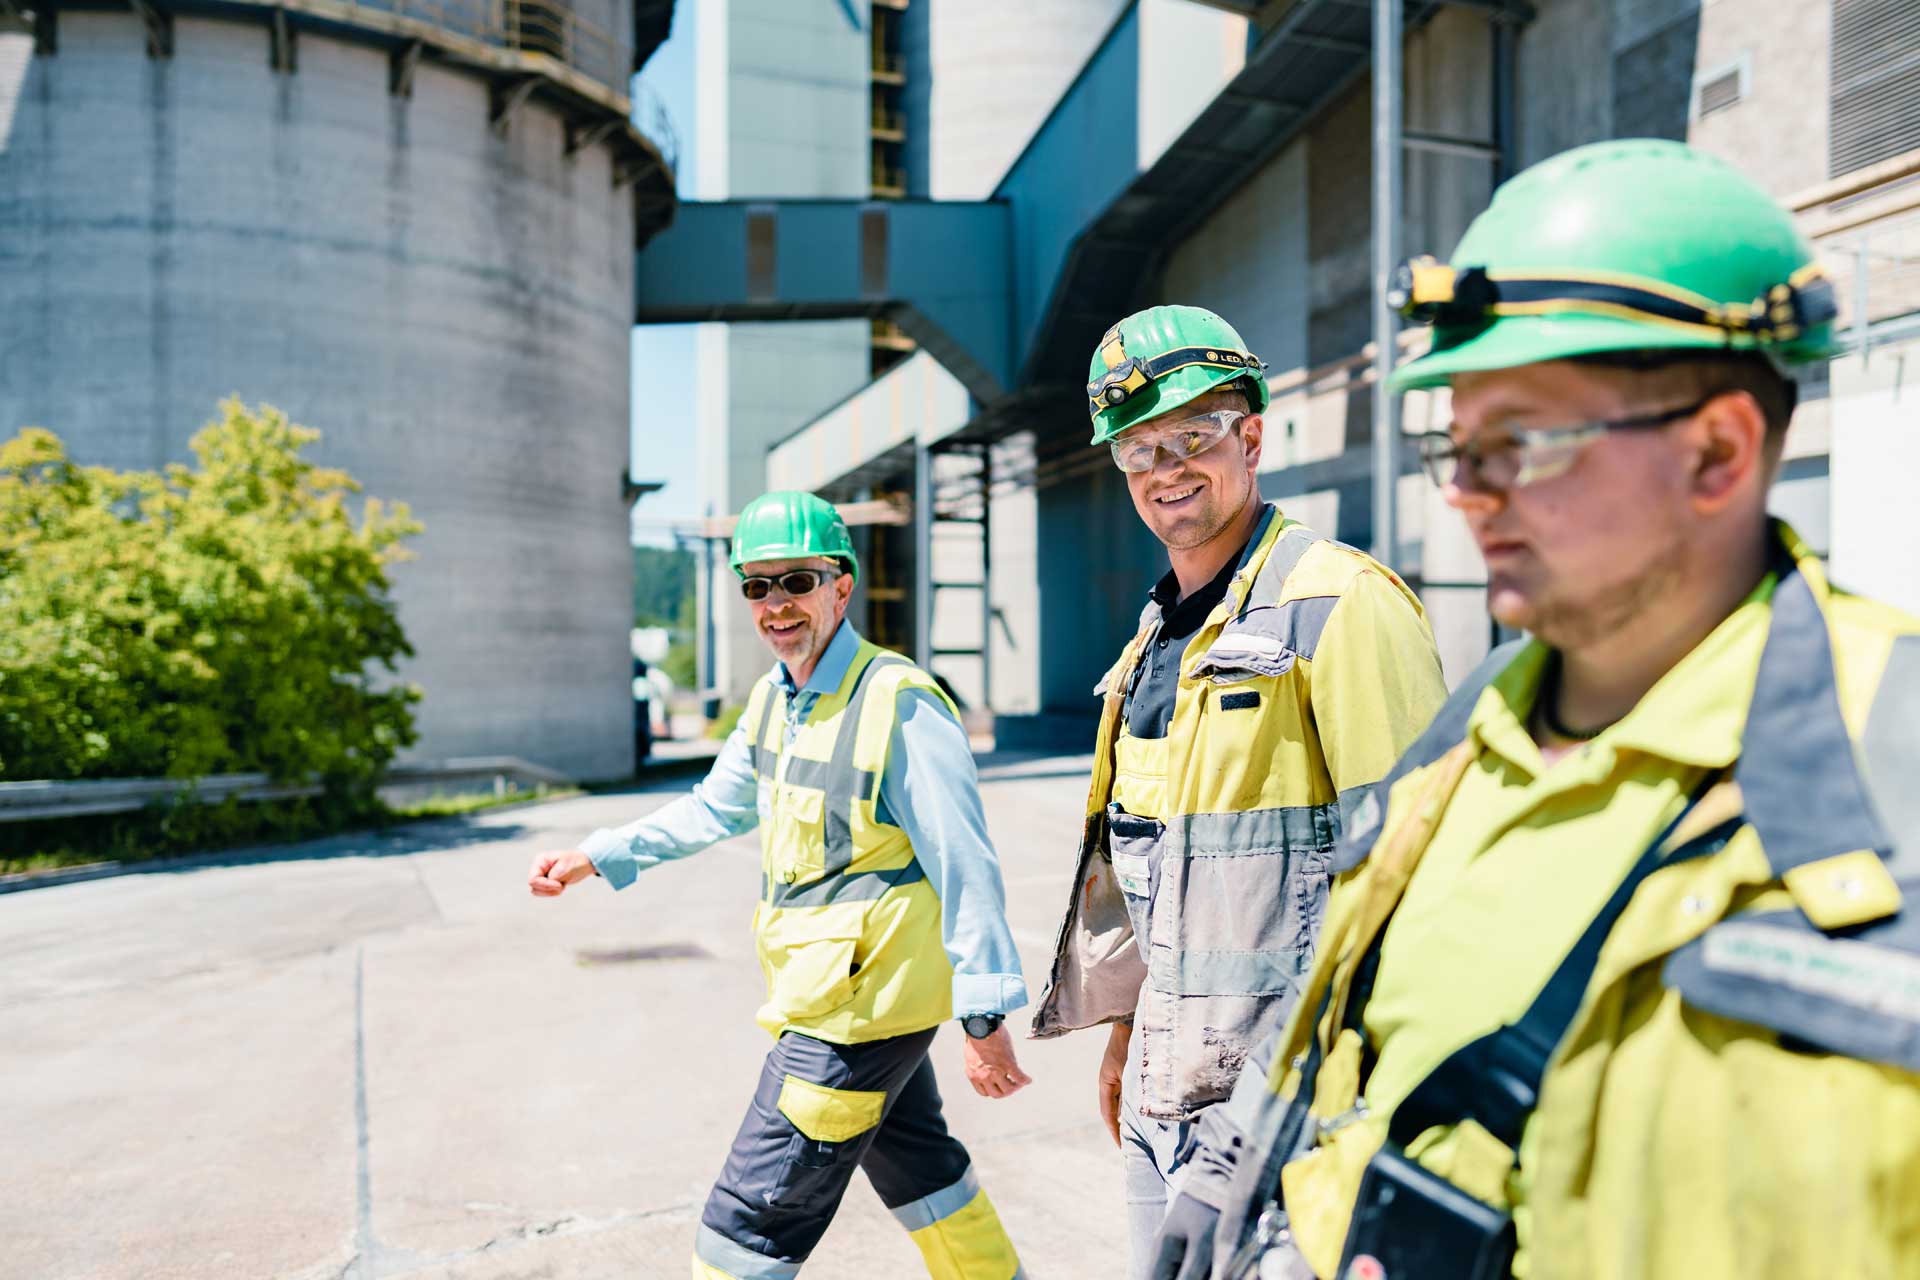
(981, 76)
(449, 307)
(1876, 454)
(1248, 262)
(797, 82)
(1565, 91)
(1654, 48)
(1778, 133)
(1016, 582)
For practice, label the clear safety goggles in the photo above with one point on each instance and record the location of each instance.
(1522, 457)
(1137, 450)
(795, 582)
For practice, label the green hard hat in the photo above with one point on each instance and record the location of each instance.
(790, 524)
(1632, 245)
(1159, 359)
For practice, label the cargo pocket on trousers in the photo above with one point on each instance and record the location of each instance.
(809, 960)
(827, 1118)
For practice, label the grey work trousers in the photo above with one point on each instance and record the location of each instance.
(1152, 1152)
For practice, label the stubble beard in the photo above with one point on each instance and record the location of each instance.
(1572, 625)
(1204, 525)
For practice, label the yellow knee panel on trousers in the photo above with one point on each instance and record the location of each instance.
(969, 1244)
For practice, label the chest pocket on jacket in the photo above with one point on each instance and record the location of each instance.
(1265, 641)
(797, 824)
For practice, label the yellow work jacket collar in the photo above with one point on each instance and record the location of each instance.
(1252, 556)
(1768, 710)
(1694, 714)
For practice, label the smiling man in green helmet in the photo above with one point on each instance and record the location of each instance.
(1623, 978)
(1275, 677)
(881, 916)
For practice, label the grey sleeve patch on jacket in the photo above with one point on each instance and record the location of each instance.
(1858, 995)
(1266, 641)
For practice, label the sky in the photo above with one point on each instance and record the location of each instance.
(663, 409)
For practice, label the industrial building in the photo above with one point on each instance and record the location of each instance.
(408, 224)
(1225, 154)
(425, 229)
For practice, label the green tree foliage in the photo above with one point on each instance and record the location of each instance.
(663, 585)
(231, 616)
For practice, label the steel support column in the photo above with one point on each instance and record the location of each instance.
(1506, 36)
(922, 555)
(1388, 19)
(986, 576)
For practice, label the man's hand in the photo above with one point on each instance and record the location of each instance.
(555, 869)
(1184, 1248)
(991, 1068)
(1113, 1065)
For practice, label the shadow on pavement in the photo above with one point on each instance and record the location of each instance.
(427, 836)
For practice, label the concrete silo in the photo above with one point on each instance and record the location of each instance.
(410, 225)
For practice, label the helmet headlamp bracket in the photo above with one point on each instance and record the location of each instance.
(1431, 292)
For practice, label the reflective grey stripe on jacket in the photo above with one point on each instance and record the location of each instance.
(1237, 897)
(845, 786)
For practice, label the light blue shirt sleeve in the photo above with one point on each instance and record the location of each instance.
(720, 806)
(931, 791)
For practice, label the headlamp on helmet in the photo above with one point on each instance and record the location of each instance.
(1430, 292)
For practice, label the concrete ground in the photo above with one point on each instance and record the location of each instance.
(380, 1056)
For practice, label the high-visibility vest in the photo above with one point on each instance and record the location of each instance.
(1219, 837)
(847, 927)
(1738, 1092)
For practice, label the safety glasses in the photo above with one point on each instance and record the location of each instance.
(1526, 457)
(1137, 450)
(795, 582)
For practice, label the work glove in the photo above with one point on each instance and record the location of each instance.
(1184, 1248)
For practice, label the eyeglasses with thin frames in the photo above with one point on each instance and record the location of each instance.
(1524, 457)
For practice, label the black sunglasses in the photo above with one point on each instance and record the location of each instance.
(795, 582)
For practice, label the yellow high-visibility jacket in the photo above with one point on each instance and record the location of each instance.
(1297, 693)
(1739, 1092)
(848, 928)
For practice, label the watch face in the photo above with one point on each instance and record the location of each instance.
(980, 1025)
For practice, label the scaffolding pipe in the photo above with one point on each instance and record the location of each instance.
(986, 577)
(1505, 57)
(1388, 19)
(923, 556)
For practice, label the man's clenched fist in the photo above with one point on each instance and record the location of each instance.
(554, 870)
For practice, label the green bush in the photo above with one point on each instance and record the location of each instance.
(231, 616)
(717, 730)
(682, 665)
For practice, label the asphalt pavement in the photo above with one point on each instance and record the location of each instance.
(378, 1055)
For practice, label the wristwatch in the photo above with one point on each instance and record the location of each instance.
(979, 1026)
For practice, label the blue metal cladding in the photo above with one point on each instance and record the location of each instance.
(940, 267)
(973, 282)
(1079, 161)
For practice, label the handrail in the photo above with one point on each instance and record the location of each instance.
(546, 27)
(39, 800)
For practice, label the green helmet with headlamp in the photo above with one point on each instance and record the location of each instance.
(1631, 245)
(1156, 360)
(789, 524)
